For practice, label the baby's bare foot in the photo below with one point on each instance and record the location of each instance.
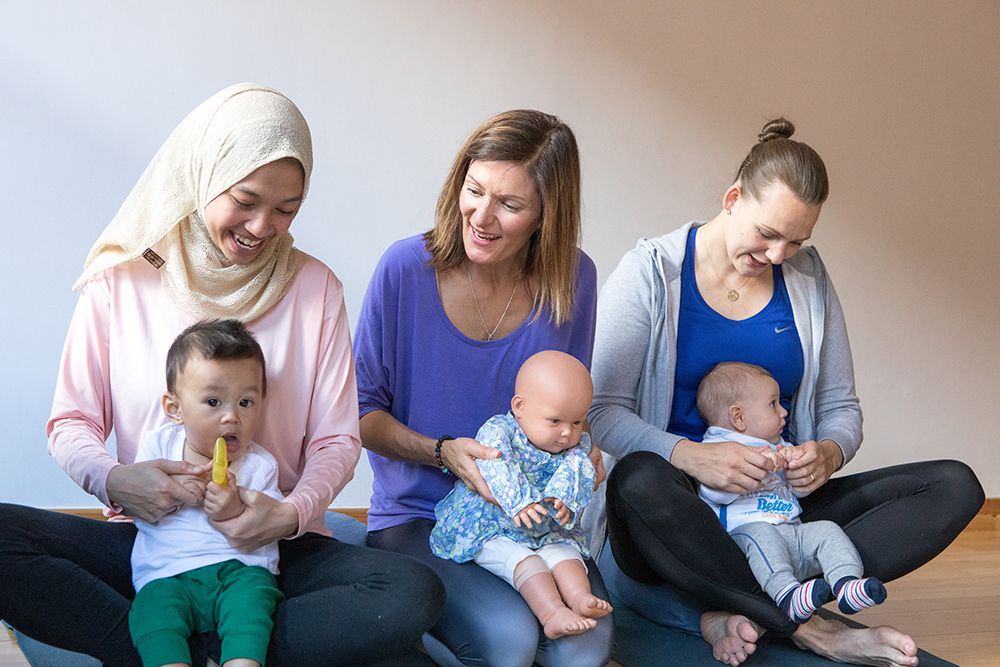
(591, 606)
(566, 622)
(733, 637)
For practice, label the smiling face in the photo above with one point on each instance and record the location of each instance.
(759, 412)
(248, 216)
(500, 211)
(213, 399)
(766, 231)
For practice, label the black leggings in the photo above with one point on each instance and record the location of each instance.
(898, 518)
(66, 581)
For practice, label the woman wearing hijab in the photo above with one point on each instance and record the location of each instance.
(204, 234)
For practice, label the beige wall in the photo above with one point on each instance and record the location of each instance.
(902, 101)
(900, 98)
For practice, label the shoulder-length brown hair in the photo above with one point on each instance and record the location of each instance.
(546, 148)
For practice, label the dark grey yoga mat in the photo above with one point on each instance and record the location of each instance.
(641, 643)
(638, 643)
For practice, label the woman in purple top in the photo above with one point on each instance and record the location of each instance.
(448, 319)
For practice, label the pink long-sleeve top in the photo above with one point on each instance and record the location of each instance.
(112, 377)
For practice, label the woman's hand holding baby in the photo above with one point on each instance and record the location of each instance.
(726, 466)
(262, 521)
(460, 456)
(598, 462)
(152, 489)
(196, 484)
(814, 464)
(249, 519)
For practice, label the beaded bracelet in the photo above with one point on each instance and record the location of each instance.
(437, 453)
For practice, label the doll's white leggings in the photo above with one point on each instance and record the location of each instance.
(501, 555)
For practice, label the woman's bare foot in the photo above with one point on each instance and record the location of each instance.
(564, 622)
(590, 606)
(733, 637)
(882, 646)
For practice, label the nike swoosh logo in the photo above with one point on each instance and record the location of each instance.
(781, 330)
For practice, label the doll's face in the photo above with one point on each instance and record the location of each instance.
(216, 399)
(760, 413)
(552, 420)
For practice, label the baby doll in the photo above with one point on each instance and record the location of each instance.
(187, 577)
(542, 479)
(741, 403)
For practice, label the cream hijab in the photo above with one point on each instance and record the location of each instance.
(221, 142)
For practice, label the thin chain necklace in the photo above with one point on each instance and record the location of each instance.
(733, 294)
(490, 334)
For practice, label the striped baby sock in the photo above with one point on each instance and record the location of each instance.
(855, 594)
(801, 600)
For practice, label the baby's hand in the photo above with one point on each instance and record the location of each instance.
(777, 461)
(563, 516)
(532, 515)
(789, 454)
(194, 483)
(223, 502)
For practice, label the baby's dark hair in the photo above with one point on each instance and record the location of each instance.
(215, 340)
(721, 388)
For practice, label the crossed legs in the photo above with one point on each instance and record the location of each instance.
(898, 518)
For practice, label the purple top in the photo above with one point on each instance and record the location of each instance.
(414, 364)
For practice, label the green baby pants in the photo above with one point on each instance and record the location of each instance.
(234, 599)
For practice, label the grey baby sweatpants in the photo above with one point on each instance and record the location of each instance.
(781, 555)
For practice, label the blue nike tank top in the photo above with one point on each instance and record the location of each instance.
(704, 338)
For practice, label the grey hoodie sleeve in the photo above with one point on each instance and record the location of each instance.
(838, 410)
(626, 371)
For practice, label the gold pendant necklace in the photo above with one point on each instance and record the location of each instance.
(733, 294)
(490, 334)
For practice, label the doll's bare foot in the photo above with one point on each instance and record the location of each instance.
(733, 638)
(882, 646)
(574, 587)
(590, 606)
(543, 598)
(564, 622)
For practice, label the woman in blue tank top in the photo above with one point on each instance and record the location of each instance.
(745, 287)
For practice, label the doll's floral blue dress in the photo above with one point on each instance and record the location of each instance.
(521, 476)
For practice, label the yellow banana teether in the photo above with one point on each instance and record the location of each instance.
(220, 462)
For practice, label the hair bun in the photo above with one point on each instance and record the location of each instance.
(779, 128)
